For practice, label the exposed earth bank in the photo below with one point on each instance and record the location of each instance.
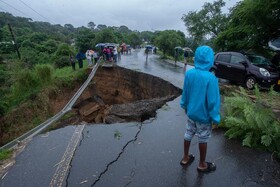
(114, 95)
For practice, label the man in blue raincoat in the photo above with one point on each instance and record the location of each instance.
(201, 101)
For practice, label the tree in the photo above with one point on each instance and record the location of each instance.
(124, 29)
(147, 36)
(50, 46)
(208, 21)
(167, 40)
(69, 27)
(61, 58)
(6, 46)
(91, 25)
(101, 27)
(105, 36)
(134, 39)
(84, 39)
(252, 25)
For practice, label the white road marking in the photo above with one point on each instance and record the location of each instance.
(63, 166)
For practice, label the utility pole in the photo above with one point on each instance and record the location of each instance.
(14, 40)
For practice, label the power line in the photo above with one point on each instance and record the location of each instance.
(35, 11)
(3, 9)
(15, 9)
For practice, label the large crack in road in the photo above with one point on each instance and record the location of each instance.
(119, 155)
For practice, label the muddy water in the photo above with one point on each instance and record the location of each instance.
(122, 95)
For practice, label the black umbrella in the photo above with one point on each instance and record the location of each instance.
(178, 48)
(149, 47)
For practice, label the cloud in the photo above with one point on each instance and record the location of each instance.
(135, 14)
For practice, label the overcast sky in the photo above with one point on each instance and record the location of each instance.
(141, 15)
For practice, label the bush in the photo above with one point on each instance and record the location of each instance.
(253, 122)
(26, 83)
(27, 80)
(4, 154)
(64, 50)
(44, 73)
(29, 56)
(61, 61)
(3, 108)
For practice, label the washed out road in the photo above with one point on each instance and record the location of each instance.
(138, 154)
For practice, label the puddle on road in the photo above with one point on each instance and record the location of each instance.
(117, 95)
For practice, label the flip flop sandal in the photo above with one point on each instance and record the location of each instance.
(210, 167)
(191, 159)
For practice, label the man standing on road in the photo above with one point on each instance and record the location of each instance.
(147, 53)
(176, 55)
(201, 101)
(186, 55)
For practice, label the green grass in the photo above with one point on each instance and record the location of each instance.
(5, 154)
(69, 72)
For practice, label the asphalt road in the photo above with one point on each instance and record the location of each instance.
(138, 154)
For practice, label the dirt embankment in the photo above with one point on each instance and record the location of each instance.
(122, 95)
(114, 95)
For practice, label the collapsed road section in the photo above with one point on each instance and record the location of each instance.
(117, 95)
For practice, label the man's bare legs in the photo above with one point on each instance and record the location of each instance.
(202, 151)
(186, 150)
(186, 157)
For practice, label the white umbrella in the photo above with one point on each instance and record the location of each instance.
(275, 44)
(187, 49)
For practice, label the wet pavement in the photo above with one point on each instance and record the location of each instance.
(139, 154)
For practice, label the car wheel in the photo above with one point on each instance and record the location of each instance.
(250, 83)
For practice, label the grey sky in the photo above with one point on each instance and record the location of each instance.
(138, 15)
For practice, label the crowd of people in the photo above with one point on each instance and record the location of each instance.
(111, 53)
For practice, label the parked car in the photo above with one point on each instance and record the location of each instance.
(246, 69)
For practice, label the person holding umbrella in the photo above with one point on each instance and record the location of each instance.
(186, 55)
(176, 54)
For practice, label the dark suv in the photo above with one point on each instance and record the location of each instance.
(246, 69)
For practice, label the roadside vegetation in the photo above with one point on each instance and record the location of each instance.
(5, 154)
(253, 117)
(26, 103)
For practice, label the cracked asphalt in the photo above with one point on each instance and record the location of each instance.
(138, 154)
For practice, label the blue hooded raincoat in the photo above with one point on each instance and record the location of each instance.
(201, 96)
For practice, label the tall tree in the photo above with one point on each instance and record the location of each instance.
(91, 25)
(69, 27)
(124, 29)
(105, 36)
(208, 21)
(147, 36)
(134, 39)
(253, 23)
(84, 39)
(101, 27)
(167, 40)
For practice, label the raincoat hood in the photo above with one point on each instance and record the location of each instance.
(204, 58)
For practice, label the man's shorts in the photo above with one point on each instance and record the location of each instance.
(202, 130)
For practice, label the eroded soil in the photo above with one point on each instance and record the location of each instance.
(121, 95)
